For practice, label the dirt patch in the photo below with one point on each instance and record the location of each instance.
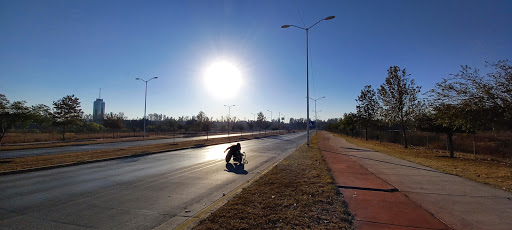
(480, 168)
(298, 193)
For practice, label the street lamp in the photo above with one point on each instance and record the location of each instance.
(307, 65)
(229, 115)
(270, 116)
(316, 120)
(145, 99)
(254, 116)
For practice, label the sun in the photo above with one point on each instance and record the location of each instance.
(223, 80)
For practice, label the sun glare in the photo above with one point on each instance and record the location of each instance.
(223, 80)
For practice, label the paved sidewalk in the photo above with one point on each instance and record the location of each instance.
(385, 192)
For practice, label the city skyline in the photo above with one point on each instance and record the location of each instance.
(52, 49)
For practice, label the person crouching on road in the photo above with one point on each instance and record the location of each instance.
(235, 150)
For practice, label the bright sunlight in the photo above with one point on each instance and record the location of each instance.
(223, 80)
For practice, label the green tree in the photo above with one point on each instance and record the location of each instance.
(442, 118)
(93, 127)
(172, 123)
(41, 115)
(251, 124)
(349, 123)
(67, 112)
(114, 122)
(204, 123)
(260, 121)
(240, 126)
(12, 115)
(399, 99)
(367, 108)
(483, 98)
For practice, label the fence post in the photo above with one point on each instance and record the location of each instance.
(427, 140)
(447, 149)
(474, 146)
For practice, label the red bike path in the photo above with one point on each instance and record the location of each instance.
(385, 192)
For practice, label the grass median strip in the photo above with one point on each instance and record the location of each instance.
(297, 193)
(23, 146)
(483, 169)
(34, 162)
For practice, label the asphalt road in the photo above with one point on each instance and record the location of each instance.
(91, 147)
(160, 190)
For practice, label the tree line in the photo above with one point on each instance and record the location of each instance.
(66, 115)
(465, 102)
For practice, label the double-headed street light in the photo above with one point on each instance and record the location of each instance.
(316, 119)
(145, 99)
(229, 115)
(307, 65)
(270, 120)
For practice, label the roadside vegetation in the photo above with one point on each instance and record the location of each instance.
(486, 169)
(297, 193)
(468, 103)
(65, 121)
(35, 162)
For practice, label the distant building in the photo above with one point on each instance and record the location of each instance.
(98, 112)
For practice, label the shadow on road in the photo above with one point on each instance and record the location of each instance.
(130, 159)
(278, 138)
(236, 168)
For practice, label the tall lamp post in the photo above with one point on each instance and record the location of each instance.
(316, 120)
(229, 115)
(307, 65)
(316, 126)
(270, 120)
(145, 99)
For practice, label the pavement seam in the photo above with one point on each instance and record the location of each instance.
(444, 194)
(398, 225)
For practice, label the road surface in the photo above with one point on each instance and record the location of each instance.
(91, 147)
(160, 190)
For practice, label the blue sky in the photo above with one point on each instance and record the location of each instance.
(49, 49)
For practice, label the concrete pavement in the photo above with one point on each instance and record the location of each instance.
(385, 192)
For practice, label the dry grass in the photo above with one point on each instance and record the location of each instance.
(98, 141)
(298, 193)
(484, 169)
(80, 157)
(72, 143)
